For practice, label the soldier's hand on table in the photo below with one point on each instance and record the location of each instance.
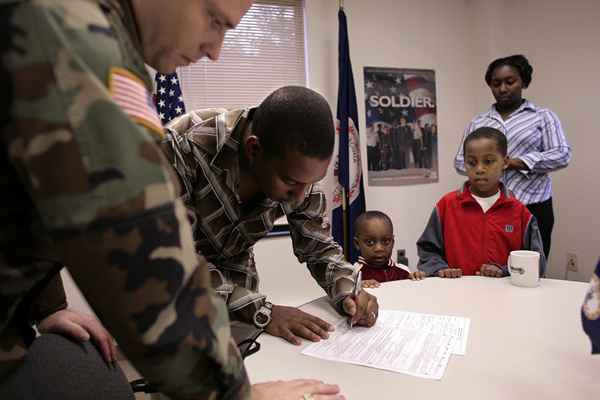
(292, 324)
(297, 389)
(490, 270)
(370, 283)
(363, 310)
(81, 327)
(450, 273)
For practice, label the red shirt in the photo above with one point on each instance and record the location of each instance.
(391, 272)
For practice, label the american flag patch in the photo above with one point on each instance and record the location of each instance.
(130, 93)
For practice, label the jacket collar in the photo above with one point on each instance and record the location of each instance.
(124, 9)
(362, 261)
(465, 196)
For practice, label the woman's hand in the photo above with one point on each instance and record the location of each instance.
(516, 164)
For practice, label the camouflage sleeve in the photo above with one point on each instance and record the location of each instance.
(242, 302)
(51, 299)
(314, 245)
(103, 193)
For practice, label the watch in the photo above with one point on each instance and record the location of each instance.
(262, 316)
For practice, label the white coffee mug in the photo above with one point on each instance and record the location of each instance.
(524, 268)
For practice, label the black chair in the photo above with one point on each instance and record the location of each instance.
(56, 367)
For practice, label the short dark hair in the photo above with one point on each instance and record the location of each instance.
(369, 215)
(294, 118)
(518, 62)
(488, 133)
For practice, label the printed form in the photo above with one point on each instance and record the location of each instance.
(457, 327)
(412, 343)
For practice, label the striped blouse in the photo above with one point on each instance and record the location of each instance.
(534, 136)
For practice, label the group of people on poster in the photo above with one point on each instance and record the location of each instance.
(401, 145)
(402, 131)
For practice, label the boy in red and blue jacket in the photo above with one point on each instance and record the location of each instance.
(471, 231)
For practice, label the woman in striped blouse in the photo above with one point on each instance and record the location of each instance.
(536, 142)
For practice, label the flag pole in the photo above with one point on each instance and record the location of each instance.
(345, 210)
(345, 223)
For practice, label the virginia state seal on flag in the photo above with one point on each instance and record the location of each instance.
(354, 165)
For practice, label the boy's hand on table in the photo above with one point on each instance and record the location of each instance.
(417, 275)
(450, 273)
(490, 270)
(292, 324)
(370, 283)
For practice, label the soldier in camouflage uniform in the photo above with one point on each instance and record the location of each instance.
(85, 186)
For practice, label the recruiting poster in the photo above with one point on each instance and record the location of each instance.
(402, 130)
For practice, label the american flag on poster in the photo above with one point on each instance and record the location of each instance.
(169, 99)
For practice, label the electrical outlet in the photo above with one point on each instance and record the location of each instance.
(401, 257)
(572, 262)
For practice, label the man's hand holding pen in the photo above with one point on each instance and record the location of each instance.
(361, 307)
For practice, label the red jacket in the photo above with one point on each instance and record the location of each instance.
(391, 272)
(460, 234)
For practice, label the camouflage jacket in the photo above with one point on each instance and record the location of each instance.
(203, 147)
(85, 185)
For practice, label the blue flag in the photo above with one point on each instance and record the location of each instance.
(349, 197)
(169, 100)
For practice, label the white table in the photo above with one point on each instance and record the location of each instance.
(524, 343)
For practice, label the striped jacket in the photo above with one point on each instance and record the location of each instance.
(203, 148)
(536, 137)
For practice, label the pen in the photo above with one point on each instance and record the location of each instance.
(356, 290)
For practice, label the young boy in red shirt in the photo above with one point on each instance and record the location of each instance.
(375, 240)
(471, 231)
